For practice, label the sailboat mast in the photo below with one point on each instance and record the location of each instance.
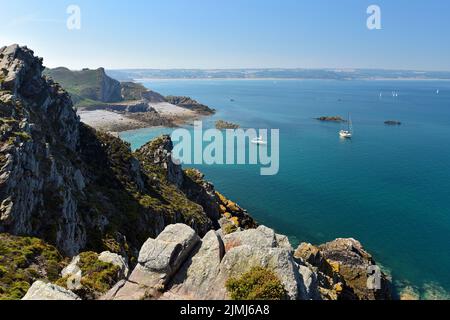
(350, 126)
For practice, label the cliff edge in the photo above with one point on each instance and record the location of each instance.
(79, 210)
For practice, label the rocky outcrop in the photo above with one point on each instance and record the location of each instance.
(345, 271)
(39, 127)
(331, 119)
(222, 125)
(75, 187)
(197, 277)
(177, 265)
(358, 269)
(159, 153)
(47, 291)
(159, 259)
(153, 97)
(392, 123)
(191, 104)
(131, 107)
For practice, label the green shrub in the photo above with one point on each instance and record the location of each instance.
(97, 276)
(24, 260)
(257, 284)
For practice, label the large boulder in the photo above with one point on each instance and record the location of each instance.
(177, 265)
(158, 261)
(196, 279)
(205, 273)
(242, 259)
(47, 291)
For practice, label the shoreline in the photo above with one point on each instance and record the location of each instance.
(165, 115)
(140, 80)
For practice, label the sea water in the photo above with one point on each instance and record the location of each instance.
(388, 187)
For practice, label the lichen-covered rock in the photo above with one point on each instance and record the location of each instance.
(358, 269)
(345, 270)
(47, 291)
(116, 260)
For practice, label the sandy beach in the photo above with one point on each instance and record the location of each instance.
(109, 121)
(167, 109)
(166, 115)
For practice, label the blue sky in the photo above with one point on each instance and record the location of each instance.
(232, 33)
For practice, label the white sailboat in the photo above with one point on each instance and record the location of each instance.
(347, 134)
(437, 91)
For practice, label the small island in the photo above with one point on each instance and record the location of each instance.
(331, 119)
(222, 125)
(392, 123)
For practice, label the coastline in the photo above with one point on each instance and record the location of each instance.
(140, 80)
(163, 115)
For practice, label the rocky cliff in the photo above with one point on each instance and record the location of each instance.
(76, 188)
(86, 196)
(87, 86)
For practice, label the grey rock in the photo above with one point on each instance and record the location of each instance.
(47, 291)
(117, 260)
(262, 237)
(72, 268)
(196, 279)
(242, 259)
(283, 242)
(170, 249)
(159, 259)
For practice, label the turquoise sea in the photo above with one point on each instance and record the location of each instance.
(388, 187)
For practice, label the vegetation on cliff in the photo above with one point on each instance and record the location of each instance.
(97, 277)
(81, 189)
(257, 284)
(24, 260)
(87, 87)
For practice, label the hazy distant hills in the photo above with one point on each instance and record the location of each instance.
(331, 74)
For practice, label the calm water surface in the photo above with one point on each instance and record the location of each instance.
(389, 187)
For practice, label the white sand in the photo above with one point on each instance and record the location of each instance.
(168, 109)
(106, 120)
